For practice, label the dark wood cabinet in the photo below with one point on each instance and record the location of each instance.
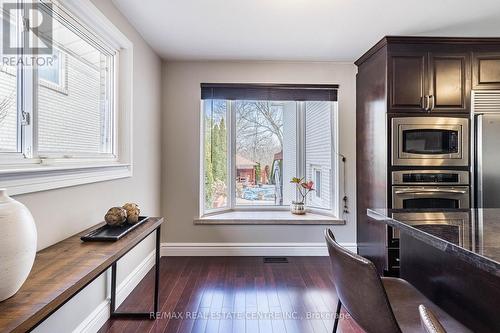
(401, 77)
(486, 70)
(429, 82)
(449, 82)
(407, 74)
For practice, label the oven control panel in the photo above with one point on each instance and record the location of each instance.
(430, 177)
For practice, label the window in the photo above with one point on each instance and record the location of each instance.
(78, 121)
(71, 122)
(9, 122)
(9, 129)
(53, 73)
(60, 109)
(255, 139)
(215, 154)
(319, 139)
(317, 181)
(260, 135)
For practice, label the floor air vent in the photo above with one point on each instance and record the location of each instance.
(275, 260)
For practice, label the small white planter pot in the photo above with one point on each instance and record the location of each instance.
(298, 208)
(17, 244)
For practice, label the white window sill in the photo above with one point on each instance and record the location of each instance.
(268, 217)
(35, 178)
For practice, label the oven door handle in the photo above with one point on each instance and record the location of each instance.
(425, 191)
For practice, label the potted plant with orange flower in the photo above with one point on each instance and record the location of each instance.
(303, 188)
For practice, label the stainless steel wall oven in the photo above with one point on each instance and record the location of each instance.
(427, 189)
(451, 226)
(419, 197)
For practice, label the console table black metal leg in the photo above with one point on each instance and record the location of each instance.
(157, 271)
(138, 315)
(113, 289)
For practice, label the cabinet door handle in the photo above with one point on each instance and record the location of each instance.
(426, 103)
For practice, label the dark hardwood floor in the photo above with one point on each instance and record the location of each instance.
(237, 294)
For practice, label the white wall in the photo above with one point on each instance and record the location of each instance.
(64, 212)
(181, 119)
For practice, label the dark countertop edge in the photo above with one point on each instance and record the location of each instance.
(481, 262)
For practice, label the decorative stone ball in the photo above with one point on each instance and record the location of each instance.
(116, 216)
(133, 212)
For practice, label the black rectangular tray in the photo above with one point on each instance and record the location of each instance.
(108, 233)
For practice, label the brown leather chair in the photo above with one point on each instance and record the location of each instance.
(429, 321)
(378, 305)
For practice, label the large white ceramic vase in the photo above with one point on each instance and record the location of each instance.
(17, 244)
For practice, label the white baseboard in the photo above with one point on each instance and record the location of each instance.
(95, 320)
(133, 279)
(100, 315)
(247, 249)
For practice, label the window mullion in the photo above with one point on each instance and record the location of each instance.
(301, 141)
(27, 95)
(231, 141)
(19, 109)
(337, 168)
(19, 85)
(25, 118)
(202, 159)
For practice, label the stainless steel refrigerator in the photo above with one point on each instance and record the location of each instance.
(486, 146)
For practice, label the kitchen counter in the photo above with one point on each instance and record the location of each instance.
(477, 239)
(453, 257)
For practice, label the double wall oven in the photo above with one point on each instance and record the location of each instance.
(429, 170)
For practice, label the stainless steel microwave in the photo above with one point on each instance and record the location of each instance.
(430, 141)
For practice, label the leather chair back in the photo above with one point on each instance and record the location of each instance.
(429, 321)
(360, 289)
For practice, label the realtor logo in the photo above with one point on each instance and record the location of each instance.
(35, 21)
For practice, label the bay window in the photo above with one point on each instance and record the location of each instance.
(256, 138)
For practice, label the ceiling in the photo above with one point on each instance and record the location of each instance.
(299, 30)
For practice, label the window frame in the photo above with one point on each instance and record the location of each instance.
(26, 171)
(301, 163)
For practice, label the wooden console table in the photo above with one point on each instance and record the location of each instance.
(63, 269)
